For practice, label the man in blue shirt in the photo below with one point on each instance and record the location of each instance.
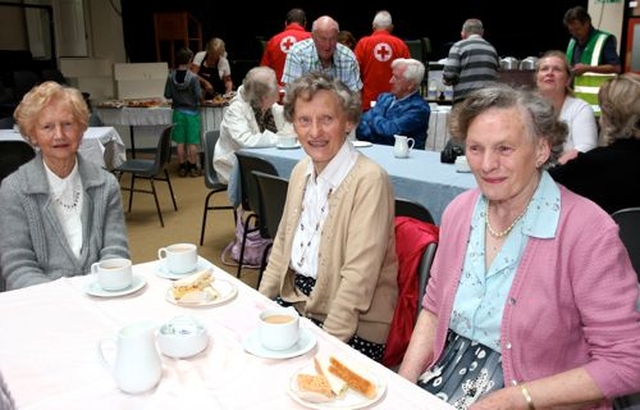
(403, 111)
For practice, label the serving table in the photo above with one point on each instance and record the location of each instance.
(101, 145)
(152, 117)
(50, 332)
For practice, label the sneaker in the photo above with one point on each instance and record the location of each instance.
(183, 170)
(194, 170)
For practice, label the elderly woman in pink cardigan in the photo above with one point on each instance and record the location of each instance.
(531, 300)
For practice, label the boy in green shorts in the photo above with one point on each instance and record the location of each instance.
(183, 88)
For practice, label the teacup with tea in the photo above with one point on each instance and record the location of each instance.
(279, 328)
(179, 257)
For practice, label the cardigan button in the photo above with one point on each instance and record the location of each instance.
(512, 301)
(508, 345)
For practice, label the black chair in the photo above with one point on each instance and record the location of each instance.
(151, 169)
(6, 123)
(12, 155)
(250, 195)
(24, 81)
(273, 195)
(211, 179)
(407, 207)
(629, 221)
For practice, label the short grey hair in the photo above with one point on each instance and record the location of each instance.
(260, 82)
(620, 107)
(473, 26)
(540, 117)
(382, 19)
(307, 86)
(414, 69)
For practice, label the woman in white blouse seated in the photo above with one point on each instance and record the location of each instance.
(334, 256)
(60, 213)
(253, 119)
(553, 79)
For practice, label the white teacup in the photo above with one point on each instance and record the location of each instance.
(113, 274)
(287, 141)
(179, 257)
(279, 328)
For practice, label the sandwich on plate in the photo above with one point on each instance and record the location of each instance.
(195, 288)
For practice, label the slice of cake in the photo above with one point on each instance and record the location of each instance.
(338, 386)
(352, 378)
(195, 287)
(314, 383)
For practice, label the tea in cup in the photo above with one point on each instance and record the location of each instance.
(113, 274)
(179, 257)
(287, 141)
(279, 328)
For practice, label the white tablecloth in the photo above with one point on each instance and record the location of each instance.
(101, 145)
(48, 352)
(147, 120)
(438, 133)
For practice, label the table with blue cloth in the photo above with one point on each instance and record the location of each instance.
(421, 177)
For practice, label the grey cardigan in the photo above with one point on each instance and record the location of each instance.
(33, 246)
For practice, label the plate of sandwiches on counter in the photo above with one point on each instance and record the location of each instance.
(146, 103)
(220, 100)
(201, 289)
(333, 383)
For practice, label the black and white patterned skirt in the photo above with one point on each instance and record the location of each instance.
(466, 371)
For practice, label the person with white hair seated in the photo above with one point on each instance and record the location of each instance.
(402, 111)
(253, 119)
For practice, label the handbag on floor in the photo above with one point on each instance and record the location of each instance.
(254, 246)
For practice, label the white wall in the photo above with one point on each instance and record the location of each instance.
(608, 17)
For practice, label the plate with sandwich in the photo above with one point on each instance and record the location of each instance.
(201, 289)
(331, 383)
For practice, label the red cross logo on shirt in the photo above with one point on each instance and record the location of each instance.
(382, 52)
(286, 43)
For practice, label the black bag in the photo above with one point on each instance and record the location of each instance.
(450, 152)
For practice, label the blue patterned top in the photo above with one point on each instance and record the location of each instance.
(482, 293)
(303, 58)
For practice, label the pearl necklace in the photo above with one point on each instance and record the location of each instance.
(500, 234)
(306, 245)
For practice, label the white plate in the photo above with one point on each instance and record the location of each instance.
(350, 400)
(361, 144)
(225, 290)
(252, 345)
(163, 272)
(93, 288)
(288, 146)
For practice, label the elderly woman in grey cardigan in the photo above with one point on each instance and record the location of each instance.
(60, 213)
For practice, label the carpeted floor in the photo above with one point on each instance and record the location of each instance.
(146, 234)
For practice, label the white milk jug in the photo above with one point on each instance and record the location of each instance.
(403, 146)
(137, 366)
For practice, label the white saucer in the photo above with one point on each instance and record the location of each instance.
(288, 146)
(251, 344)
(93, 288)
(361, 144)
(223, 291)
(163, 272)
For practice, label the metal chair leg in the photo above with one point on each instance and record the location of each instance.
(173, 197)
(133, 178)
(155, 197)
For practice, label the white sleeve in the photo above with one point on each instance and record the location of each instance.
(583, 131)
(199, 57)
